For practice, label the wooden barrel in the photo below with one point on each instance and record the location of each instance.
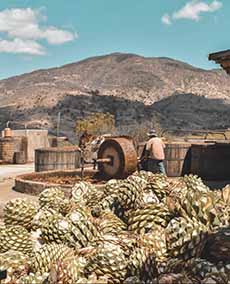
(19, 158)
(7, 133)
(54, 142)
(59, 142)
(7, 150)
(177, 158)
(211, 161)
(60, 158)
(20, 150)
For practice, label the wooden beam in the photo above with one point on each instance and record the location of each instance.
(222, 55)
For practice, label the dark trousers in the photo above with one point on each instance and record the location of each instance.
(156, 166)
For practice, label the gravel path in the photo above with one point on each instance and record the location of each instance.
(9, 171)
(7, 175)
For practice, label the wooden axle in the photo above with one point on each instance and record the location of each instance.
(105, 160)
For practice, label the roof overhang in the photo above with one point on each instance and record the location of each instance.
(222, 58)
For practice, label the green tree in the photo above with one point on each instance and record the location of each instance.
(96, 124)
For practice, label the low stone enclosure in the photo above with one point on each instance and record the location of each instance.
(35, 183)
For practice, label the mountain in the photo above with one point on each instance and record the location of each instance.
(140, 92)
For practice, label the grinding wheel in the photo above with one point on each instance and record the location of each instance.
(123, 156)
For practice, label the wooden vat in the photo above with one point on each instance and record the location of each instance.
(7, 150)
(177, 158)
(211, 161)
(59, 158)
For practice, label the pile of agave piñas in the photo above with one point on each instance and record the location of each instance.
(145, 229)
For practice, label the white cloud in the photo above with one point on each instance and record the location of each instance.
(27, 26)
(193, 10)
(166, 19)
(21, 46)
(56, 36)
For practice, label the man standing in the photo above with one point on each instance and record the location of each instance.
(154, 152)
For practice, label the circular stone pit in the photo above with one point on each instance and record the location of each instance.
(35, 183)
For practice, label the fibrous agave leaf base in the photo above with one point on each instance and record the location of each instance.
(144, 229)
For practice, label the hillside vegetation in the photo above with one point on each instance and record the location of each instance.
(138, 92)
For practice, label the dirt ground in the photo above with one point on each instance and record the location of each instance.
(7, 175)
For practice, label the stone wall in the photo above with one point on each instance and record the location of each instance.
(35, 139)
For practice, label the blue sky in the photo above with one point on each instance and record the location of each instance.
(41, 34)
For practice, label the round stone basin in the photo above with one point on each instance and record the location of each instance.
(35, 183)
